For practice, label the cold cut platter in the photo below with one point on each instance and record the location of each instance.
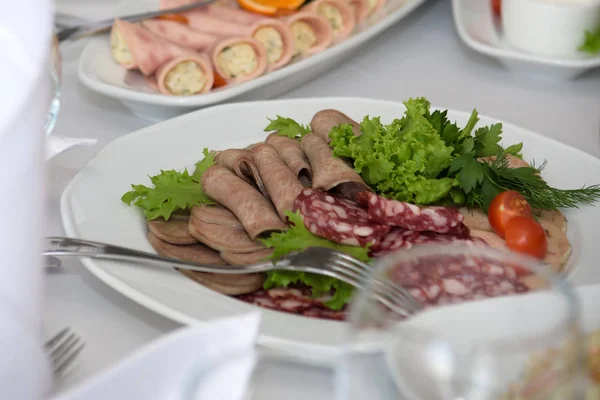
(366, 177)
(161, 68)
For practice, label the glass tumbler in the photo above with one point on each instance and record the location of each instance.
(459, 349)
(55, 69)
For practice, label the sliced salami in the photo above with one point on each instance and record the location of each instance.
(412, 217)
(338, 220)
(453, 279)
(295, 300)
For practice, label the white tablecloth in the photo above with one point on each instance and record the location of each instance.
(421, 56)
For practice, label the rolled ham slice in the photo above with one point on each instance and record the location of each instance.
(254, 211)
(361, 10)
(246, 258)
(200, 21)
(233, 15)
(238, 60)
(133, 46)
(323, 121)
(181, 34)
(228, 284)
(197, 253)
(330, 172)
(312, 33)
(278, 40)
(186, 75)
(338, 14)
(242, 163)
(282, 184)
(292, 154)
(223, 238)
(374, 6)
(172, 231)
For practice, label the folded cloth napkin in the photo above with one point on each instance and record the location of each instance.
(212, 361)
(59, 144)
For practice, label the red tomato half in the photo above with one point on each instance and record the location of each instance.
(497, 7)
(525, 235)
(506, 206)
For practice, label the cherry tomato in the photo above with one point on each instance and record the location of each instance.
(219, 80)
(497, 7)
(504, 207)
(180, 18)
(525, 235)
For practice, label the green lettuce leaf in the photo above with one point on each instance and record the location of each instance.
(402, 160)
(298, 238)
(173, 191)
(287, 127)
(591, 42)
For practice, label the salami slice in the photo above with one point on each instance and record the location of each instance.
(330, 172)
(282, 184)
(325, 120)
(338, 220)
(295, 300)
(292, 154)
(173, 231)
(241, 162)
(437, 280)
(412, 217)
(256, 213)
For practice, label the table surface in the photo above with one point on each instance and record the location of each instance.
(420, 56)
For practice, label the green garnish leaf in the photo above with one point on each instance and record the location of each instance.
(515, 150)
(204, 164)
(470, 172)
(591, 42)
(487, 139)
(287, 127)
(298, 238)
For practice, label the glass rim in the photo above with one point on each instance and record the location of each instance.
(559, 285)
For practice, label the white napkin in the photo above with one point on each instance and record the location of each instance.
(188, 364)
(59, 144)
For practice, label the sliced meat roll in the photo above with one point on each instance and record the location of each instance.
(185, 76)
(242, 163)
(233, 15)
(217, 215)
(361, 10)
(375, 5)
(254, 211)
(181, 34)
(282, 184)
(247, 258)
(339, 15)
(197, 253)
(200, 21)
(312, 33)
(222, 237)
(172, 231)
(323, 121)
(228, 284)
(133, 46)
(278, 40)
(292, 154)
(238, 60)
(330, 172)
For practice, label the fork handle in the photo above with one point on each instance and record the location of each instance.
(63, 246)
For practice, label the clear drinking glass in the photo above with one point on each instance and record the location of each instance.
(469, 350)
(55, 69)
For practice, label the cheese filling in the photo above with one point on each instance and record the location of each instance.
(237, 60)
(272, 41)
(185, 79)
(304, 37)
(333, 16)
(119, 49)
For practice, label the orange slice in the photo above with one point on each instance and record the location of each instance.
(270, 7)
(180, 18)
(219, 81)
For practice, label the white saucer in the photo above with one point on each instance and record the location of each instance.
(478, 28)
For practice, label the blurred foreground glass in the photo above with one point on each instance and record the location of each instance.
(55, 68)
(478, 350)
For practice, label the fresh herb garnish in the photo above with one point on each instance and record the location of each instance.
(591, 42)
(287, 127)
(173, 191)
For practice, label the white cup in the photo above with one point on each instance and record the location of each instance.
(553, 28)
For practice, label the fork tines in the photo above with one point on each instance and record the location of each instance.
(63, 348)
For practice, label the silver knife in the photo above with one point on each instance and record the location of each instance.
(81, 31)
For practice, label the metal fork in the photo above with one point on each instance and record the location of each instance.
(63, 348)
(316, 260)
(92, 28)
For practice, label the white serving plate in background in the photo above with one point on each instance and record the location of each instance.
(91, 207)
(477, 27)
(99, 72)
